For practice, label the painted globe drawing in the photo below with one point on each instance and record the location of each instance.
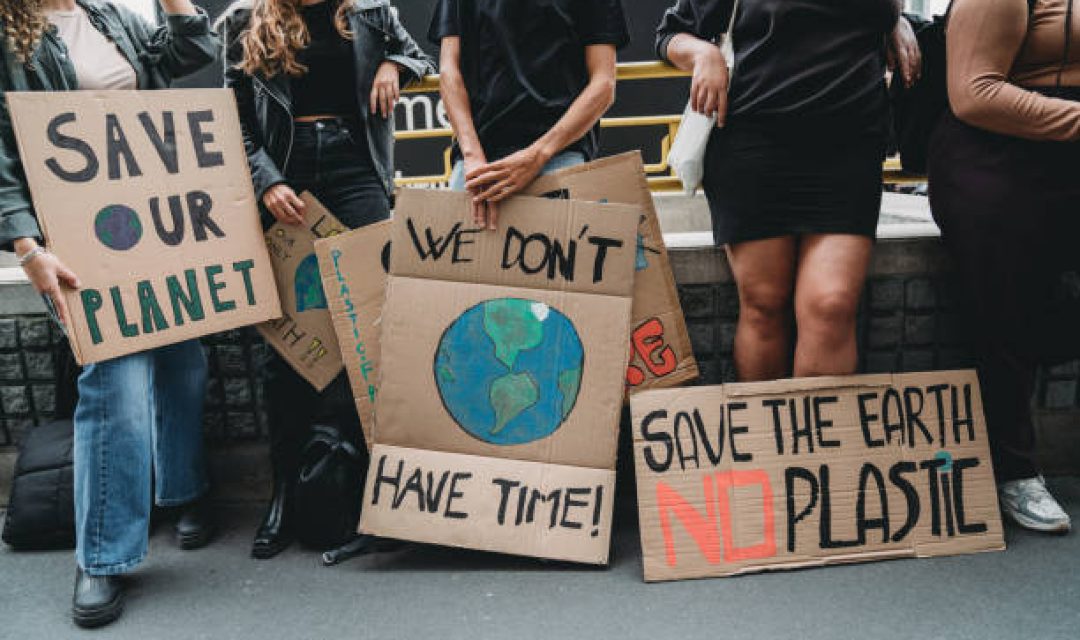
(118, 227)
(509, 370)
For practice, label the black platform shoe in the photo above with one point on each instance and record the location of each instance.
(98, 600)
(273, 535)
(195, 526)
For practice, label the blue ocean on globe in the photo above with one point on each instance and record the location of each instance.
(118, 227)
(509, 370)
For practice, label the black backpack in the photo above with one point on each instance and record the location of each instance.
(327, 496)
(41, 507)
(917, 110)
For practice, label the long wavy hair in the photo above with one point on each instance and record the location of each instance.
(277, 32)
(24, 24)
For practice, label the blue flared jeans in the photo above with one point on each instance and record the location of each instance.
(138, 440)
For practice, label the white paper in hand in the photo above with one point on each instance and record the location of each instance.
(687, 155)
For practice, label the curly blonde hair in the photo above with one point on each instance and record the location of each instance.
(277, 32)
(24, 24)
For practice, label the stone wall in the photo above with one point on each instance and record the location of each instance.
(908, 322)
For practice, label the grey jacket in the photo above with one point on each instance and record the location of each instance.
(265, 104)
(183, 45)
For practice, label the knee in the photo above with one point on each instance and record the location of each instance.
(830, 311)
(764, 307)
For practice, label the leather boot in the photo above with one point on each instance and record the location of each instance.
(98, 600)
(273, 535)
(195, 526)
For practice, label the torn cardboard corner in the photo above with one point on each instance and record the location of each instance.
(304, 335)
(799, 473)
(661, 353)
(147, 197)
(503, 355)
(354, 266)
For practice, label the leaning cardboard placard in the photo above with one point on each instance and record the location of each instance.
(660, 351)
(147, 197)
(304, 334)
(503, 358)
(354, 267)
(802, 473)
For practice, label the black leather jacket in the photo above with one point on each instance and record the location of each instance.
(265, 104)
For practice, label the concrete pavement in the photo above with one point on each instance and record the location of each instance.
(1030, 592)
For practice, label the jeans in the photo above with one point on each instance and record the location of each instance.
(330, 162)
(336, 167)
(564, 160)
(138, 431)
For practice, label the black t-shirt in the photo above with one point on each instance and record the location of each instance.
(524, 62)
(807, 62)
(329, 86)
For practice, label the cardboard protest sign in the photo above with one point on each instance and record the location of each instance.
(660, 351)
(304, 334)
(147, 197)
(503, 358)
(800, 473)
(354, 267)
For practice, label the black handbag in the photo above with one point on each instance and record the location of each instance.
(329, 489)
(918, 109)
(41, 510)
(41, 506)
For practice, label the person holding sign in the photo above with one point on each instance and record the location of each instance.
(316, 82)
(525, 85)
(138, 423)
(1002, 170)
(793, 171)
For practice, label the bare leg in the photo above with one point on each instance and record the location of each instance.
(765, 274)
(831, 275)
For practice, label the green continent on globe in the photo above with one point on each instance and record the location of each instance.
(569, 385)
(512, 325)
(510, 395)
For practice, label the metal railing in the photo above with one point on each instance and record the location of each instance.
(660, 176)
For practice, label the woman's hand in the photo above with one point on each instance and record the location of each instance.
(284, 204)
(904, 55)
(709, 86)
(47, 273)
(386, 89)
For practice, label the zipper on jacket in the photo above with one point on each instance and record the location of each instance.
(292, 124)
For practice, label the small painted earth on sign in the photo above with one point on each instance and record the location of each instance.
(509, 370)
(118, 227)
(308, 285)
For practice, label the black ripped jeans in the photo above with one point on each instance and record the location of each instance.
(336, 168)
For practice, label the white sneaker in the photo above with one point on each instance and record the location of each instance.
(1029, 504)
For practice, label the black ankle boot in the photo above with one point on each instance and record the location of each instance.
(195, 526)
(273, 535)
(98, 600)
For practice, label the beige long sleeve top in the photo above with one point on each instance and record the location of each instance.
(995, 60)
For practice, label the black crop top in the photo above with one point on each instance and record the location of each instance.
(329, 86)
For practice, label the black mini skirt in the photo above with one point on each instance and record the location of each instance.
(764, 180)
